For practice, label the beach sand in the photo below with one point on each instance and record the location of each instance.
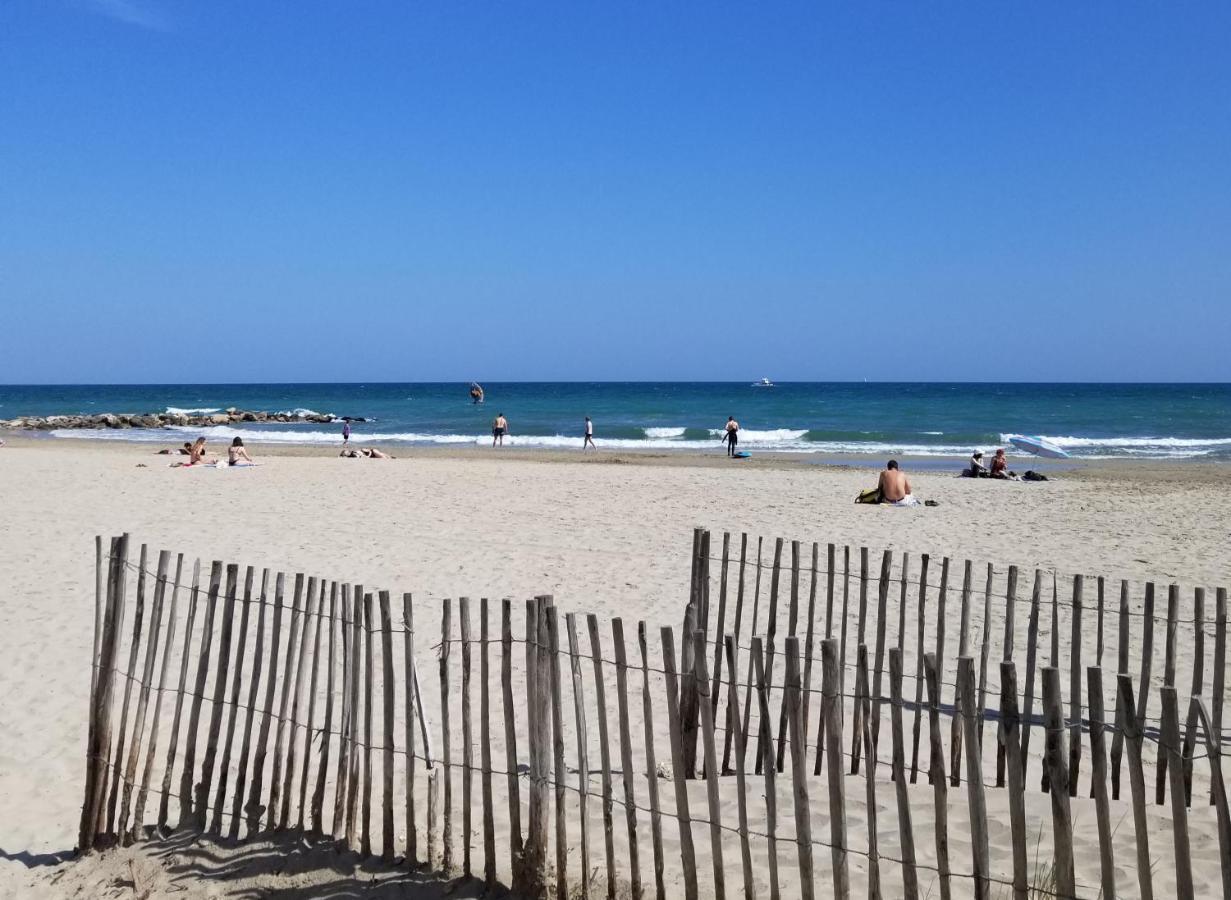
(609, 534)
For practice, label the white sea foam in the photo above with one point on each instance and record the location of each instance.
(304, 413)
(775, 435)
(203, 411)
(776, 440)
(1174, 442)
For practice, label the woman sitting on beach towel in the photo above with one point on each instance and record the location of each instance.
(196, 455)
(237, 454)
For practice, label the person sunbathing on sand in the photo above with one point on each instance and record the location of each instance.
(365, 453)
(237, 453)
(196, 455)
(894, 486)
(1000, 466)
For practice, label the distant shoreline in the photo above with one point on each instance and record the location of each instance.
(1149, 470)
(820, 421)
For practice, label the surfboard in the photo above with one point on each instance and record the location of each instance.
(743, 454)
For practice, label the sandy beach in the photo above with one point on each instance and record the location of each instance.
(608, 534)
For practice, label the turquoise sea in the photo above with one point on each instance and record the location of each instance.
(1095, 421)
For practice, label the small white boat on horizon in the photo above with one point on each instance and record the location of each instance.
(764, 382)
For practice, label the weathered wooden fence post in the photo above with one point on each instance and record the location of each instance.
(1010, 728)
(741, 784)
(711, 775)
(651, 764)
(1098, 762)
(687, 853)
(906, 834)
(99, 738)
(1058, 778)
(626, 742)
(1169, 746)
(831, 698)
(936, 775)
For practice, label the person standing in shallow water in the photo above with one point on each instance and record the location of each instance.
(588, 440)
(345, 433)
(500, 427)
(731, 436)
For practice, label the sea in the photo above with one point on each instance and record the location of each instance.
(1090, 421)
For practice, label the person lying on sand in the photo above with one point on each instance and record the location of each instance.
(365, 453)
(237, 453)
(185, 450)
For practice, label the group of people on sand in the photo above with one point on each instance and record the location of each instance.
(999, 468)
(237, 454)
(364, 453)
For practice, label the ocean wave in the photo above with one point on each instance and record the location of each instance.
(747, 435)
(667, 439)
(1146, 442)
(304, 413)
(201, 411)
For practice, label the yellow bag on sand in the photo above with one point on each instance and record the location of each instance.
(871, 495)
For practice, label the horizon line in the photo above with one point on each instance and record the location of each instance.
(191, 384)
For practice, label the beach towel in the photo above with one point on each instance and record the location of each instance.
(871, 495)
(908, 500)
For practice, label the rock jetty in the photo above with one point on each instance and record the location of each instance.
(230, 416)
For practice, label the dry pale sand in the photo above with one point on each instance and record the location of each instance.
(606, 534)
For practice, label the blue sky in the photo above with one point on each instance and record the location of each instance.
(321, 191)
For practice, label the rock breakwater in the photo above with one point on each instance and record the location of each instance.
(166, 420)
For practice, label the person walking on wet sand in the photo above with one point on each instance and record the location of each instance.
(731, 435)
(500, 427)
(588, 440)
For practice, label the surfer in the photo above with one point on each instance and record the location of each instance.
(588, 440)
(476, 392)
(731, 435)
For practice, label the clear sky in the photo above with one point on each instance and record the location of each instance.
(345, 191)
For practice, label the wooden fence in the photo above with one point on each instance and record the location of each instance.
(1166, 722)
(306, 690)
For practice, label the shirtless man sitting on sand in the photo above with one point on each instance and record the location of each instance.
(895, 486)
